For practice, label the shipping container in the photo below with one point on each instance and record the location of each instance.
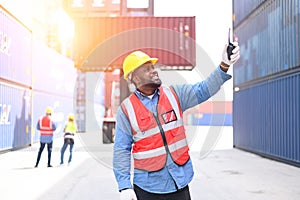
(266, 118)
(269, 40)
(15, 49)
(15, 116)
(52, 72)
(80, 102)
(102, 43)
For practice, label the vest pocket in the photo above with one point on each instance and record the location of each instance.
(146, 123)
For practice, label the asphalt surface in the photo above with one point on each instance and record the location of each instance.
(221, 174)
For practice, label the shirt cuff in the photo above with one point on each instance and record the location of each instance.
(223, 74)
(124, 185)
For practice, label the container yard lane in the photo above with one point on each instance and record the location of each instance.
(225, 173)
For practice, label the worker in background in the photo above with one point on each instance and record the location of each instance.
(149, 126)
(46, 127)
(70, 131)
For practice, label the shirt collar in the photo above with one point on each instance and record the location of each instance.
(142, 96)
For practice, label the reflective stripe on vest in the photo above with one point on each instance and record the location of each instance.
(70, 130)
(45, 126)
(161, 150)
(149, 150)
(69, 135)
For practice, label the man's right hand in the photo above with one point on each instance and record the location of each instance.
(128, 194)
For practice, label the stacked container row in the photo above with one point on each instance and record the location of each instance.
(266, 109)
(15, 82)
(32, 77)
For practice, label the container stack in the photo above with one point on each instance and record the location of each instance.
(266, 98)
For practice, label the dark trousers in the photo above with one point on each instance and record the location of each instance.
(49, 148)
(63, 149)
(182, 194)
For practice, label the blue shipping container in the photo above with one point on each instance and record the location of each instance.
(15, 50)
(269, 40)
(266, 118)
(243, 8)
(212, 119)
(15, 116)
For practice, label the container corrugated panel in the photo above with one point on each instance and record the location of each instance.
(104, 41)
(15, 49)
(269, 41)
(52, 72)
(266, 118)
(15, 116)
(243, 8)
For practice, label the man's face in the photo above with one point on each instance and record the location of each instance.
(146, 77)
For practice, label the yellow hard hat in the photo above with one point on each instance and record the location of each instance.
(49, 110)
(135, 60)
(71, 117)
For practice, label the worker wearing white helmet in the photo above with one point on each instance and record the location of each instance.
(149, 128)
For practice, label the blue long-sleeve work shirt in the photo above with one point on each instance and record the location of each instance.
(172, 176)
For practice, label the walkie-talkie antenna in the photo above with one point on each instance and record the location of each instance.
(229, 36)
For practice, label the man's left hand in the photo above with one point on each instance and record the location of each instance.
(235, 54)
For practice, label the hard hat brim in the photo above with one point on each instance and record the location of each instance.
(153, 60)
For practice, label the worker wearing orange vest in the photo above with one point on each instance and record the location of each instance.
(149, 126)
(46, 127)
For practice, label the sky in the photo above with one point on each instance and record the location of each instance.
(213, 19)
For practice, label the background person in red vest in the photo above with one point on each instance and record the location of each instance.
(149, 126)
(46, 127)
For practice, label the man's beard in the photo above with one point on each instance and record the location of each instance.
(152, 85)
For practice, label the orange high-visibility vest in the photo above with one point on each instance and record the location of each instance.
(45, 123)
(155, 136)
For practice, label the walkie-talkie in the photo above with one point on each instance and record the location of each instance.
(230, 46)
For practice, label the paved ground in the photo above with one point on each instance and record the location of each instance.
(222, 174)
